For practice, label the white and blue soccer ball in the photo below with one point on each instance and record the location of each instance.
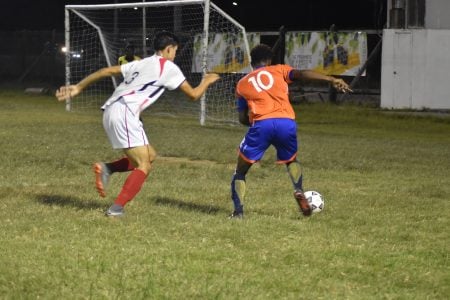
(315, 200)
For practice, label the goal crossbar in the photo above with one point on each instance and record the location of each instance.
(135, 4)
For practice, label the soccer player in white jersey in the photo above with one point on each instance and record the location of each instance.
(144, 82)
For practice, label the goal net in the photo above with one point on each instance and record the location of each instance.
(210, 40)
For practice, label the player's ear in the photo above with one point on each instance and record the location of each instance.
(168, 49)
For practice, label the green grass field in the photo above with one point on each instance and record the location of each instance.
(384, 232)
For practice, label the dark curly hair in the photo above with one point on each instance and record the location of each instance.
(260, 54)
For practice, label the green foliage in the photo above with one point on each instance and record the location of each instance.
(383, 233)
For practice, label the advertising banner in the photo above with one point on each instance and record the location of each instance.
(330, 53)
(226, 53)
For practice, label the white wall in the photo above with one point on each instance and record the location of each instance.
(437, 14)
(415, 71)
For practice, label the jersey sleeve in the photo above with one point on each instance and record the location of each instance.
(173, 77)
(127, 68)
(286, 70)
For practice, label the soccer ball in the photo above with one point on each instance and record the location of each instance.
(315, 200)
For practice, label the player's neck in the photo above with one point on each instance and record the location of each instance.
(259, 66)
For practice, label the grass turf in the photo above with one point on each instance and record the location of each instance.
(382, 235)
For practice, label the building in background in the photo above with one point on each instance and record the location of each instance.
(415, 52)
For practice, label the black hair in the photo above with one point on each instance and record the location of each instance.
(164, 39)
(130, 46)
(260, 54)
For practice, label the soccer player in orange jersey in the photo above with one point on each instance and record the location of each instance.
(264, 106)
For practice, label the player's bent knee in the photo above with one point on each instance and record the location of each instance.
(145, 167)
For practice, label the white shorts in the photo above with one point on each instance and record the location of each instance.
(124, 129)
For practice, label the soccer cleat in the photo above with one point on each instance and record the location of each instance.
(237, 214)
(102, 174)
(115, 211)
(302, 202)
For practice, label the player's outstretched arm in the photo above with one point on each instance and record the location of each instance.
(70, 91)
(341, 85)
(67, 92)
(337, 83)
(199, 90)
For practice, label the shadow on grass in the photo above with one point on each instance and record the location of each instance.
(68, 201)
(206, 209)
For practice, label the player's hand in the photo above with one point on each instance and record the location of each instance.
(341, 85)
(67, 92)
(211, 77)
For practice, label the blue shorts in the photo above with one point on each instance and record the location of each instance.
(281, 133)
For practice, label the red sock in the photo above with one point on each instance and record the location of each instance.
(131, 187)
(120, 165)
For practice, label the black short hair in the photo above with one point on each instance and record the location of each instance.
(260, 54)
(164, 39)
(130, 46)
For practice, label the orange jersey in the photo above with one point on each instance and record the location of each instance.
(266, 91)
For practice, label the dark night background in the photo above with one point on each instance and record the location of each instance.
(29, 28)
(255, 15)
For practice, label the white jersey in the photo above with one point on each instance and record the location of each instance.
(145, 81)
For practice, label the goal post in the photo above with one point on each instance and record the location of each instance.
(210, 41)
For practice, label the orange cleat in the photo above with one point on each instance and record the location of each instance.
(302, 203)
(102, 174)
